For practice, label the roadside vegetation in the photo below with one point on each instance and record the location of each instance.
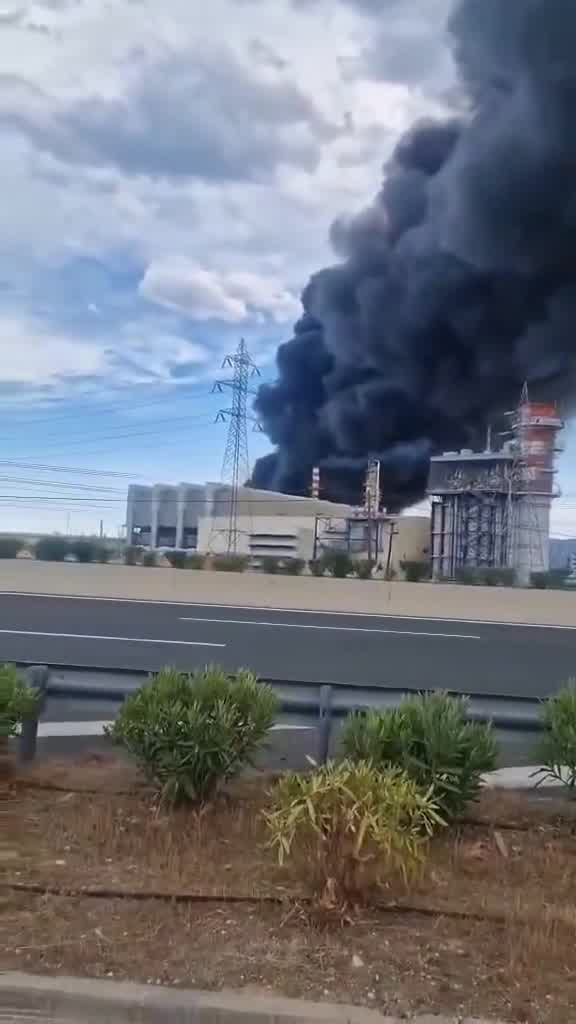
(386, 874)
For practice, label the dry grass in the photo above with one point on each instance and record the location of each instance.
(519, 965)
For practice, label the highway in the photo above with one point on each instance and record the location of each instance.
(475, 657)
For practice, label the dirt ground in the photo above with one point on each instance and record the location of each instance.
(104, 883)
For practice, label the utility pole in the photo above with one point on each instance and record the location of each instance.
(235, 466)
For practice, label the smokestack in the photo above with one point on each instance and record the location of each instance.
(316, 482)
(372, 489)
(455, 286)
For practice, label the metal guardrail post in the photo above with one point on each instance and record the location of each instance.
(324, 723)
(37, 679)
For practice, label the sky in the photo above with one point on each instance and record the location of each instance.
(170, 173)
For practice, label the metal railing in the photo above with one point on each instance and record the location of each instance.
(317, 703)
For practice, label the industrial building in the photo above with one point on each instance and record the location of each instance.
(197, 517)
(491, 509)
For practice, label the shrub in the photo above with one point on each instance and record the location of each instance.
(557, 748)
(428, 736)
(467, 576)
(270, 564)
(292, 566)
(415, 572)
(337, 564)
(346, 825)
(230, 563)
(191, 733)
(555, 579)
(10, 547)
(17, 701)
(363, 569)
(176, 558)
(52, 549)
(316, 567)
(150, 559)
(85, 551)
(490, 577)
(103, 554)
(133, 554)
(194, 560)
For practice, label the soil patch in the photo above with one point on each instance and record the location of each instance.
(488, 930)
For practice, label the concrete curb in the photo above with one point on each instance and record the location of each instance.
(47, 1000)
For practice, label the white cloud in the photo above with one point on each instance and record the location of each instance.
(31, 353)
(207, 294)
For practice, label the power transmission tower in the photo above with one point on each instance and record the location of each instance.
(235, 465)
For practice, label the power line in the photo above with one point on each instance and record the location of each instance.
(99, 410)
(43, 468)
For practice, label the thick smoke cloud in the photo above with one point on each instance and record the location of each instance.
(456, 286)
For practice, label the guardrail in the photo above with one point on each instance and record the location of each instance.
(317, 702)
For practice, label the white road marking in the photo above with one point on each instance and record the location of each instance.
(125, 639)
(54, 730)
(338, 629)
(285, 611)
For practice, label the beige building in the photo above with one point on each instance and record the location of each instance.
(197, 517)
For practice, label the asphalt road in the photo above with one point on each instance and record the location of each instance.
(310, 646)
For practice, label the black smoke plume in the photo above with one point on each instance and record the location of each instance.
(456, 286)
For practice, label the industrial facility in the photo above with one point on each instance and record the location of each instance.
(197, 517)
(491, 509)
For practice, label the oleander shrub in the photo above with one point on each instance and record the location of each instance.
(556, 751)
(10, 547)
(52, 549)
(230, 563)
(349, 826)
(191, 733)
(414, 571)
(292, 566)
(430, 738)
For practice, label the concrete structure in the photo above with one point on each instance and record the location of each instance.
(25, 997)
(196, 517)
(492, 509)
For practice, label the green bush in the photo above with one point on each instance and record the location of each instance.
(17, 701)
(489, 577)
(347, 826)
(467, 576)
(316, 566)
(177, 559)
(103, 554)
(292, 566)
(230, 563)
(85, 551)
(10, 547)
(429, 737)
(191, 733)
(52, 549)
(150, 559)
(555, 579)
(415, 572)
(195, 560)
(557, 748)
(337, 564)
(363, 569)
(270, 564)
(133, 554)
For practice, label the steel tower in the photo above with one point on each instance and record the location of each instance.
(235, 465)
